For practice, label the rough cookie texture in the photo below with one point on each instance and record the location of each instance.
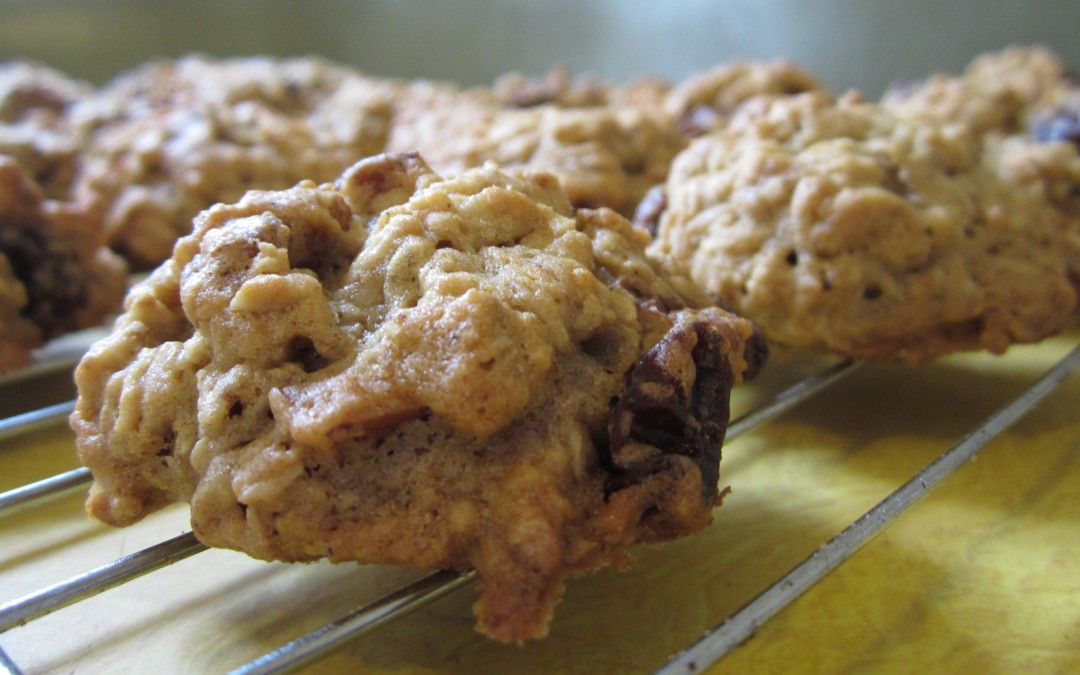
(845, 228)
(604, 154)
(996, 93)
(1027, 105)
(517, 90)
(704, 101)
(174, 137)
(35, 129)
(402, 368)
(55, 273)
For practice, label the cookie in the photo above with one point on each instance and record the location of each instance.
(603, 154)
(175, 137)
(704, 101)
(997, 92)
(56, 274)
(559, 87)
(1045, 163)
(35, 126)
(842, 227)
(439, 372)
(1027, 106)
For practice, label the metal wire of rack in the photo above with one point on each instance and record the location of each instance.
(710, 648)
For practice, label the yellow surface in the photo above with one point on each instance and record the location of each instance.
(983, 575)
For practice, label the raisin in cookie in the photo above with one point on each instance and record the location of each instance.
(174, 137)
(403, 368)
(839, 226)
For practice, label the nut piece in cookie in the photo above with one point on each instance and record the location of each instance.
(841, 227)
(440, 372)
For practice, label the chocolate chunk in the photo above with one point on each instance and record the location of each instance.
(677, 401)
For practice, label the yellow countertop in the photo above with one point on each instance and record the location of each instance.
(982, 575)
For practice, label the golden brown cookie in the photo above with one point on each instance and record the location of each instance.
(839, 226)
(996, 93)
(604, 154)
(174, 137)
(35, 126)
(559, 87)
(1027, 105)
(440, 372)
(704, 101)
(56, 275)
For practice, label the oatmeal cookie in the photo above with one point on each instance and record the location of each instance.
(56, 275)
(35, 126)
(1046, 164)
(845, 228)
(457, 372)
(557, 86)
(604, 155)
(997, 93)
(1027, 105)
(704, 101)
(174, 137)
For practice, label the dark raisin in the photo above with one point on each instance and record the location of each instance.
(168, 443)
(49, 272)
(658, 410)
(301, 350)
(650, 209)
(756, 353)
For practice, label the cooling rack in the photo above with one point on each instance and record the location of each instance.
(322, 622)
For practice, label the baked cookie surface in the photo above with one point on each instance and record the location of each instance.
(997, 92)
(172, 138)
(1026, 105)
(56, 275)
(607, 146)
(458, 372)
(705, 101)
(35, 128)
(841, 227)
